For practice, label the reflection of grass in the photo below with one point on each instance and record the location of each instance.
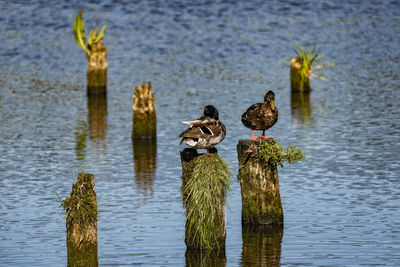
(205, 222)
(80, 36)
(307, 57)
(272, 153)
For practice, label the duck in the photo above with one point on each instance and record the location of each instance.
(261, 116)
(204, 132)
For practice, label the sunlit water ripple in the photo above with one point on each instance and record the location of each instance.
(341, 206)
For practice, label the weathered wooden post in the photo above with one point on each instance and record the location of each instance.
(298, 82)
(144, 124)
(205, 182)
(97, 70)
(144, 163)
(261, 200)
(261, 245)
(81, 222)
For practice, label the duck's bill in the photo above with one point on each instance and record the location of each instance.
(272, 104)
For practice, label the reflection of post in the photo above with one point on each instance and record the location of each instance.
(144, 162)
(300, 107)
(195, 258)
(97, 117)
(261, 245)
(80, 137)
(81, 222)
(97, 70)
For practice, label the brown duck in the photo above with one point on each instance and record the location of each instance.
(261, 116)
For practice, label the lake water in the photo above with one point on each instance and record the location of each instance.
(341, 206)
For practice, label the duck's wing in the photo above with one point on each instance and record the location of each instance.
(203, 129)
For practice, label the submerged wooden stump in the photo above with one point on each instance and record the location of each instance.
(81, 222)
(204, 185)
(297, 82)
(97, 70)
(261, 245)
(261, 200)
(144, 112)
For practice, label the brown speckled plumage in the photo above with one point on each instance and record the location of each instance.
(261, 116)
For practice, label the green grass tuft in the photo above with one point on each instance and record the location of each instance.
(307, 57)
(207, 188)
(79, 206)
(274, 154)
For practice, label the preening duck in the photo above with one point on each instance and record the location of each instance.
(261, 116)
(206, 131)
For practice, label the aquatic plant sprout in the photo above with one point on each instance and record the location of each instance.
(80, 36)
(307, 56)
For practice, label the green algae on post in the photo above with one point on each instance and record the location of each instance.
(205, 198)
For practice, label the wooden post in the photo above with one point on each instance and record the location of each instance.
(297, 83)
(261, 245)
(97, 70)
(144, 112)
(144, 162)
(261, 200)
(81, 222)
(205, 216)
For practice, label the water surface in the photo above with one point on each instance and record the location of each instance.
(341, 206)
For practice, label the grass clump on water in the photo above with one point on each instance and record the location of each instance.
(272, 153)
(310, 61)
(205, 206)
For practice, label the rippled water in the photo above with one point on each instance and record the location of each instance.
(341, 206)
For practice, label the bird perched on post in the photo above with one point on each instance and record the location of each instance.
(205, 132)
(261, 116)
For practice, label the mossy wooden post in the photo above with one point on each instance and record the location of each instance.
(205, 180)
(261, 200)
(261, 245)
(144, 112)
(81, 222)
(297, 82)
(97, 70)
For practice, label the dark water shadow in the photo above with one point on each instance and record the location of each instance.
(145, 163)
(301, 108)
(196, 258)
(97, 120)
(261, 245)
